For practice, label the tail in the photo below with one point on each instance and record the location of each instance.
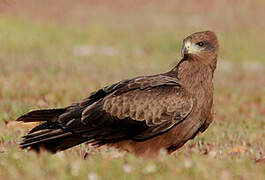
(49, 135)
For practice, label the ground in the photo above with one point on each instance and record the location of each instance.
(53, 53)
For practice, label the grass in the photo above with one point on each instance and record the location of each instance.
(51, 58)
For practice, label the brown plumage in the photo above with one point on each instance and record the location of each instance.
(140, 115)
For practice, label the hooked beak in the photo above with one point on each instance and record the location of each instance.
(184, 50)
(188, 48)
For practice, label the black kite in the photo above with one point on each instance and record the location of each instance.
(140, 115)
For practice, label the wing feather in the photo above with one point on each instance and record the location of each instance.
(151, 104)
(154, 106)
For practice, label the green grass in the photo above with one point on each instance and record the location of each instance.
(52, 63)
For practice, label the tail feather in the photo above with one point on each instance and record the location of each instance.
(63, 143)
(46, 125)
(29, 135)
(49, 135)
(44, 138)
(42, 115)
(53, 142)
(62, 129)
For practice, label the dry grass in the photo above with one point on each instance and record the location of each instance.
(54, 53)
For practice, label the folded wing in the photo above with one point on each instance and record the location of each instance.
(136, 109)
(154, 103)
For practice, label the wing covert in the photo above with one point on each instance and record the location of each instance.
(150, 104)
(155, 106)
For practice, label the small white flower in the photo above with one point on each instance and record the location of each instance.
(150, 168)
(127, 168)
(187, 163)
(60, 155)
(92, 176)
(212, 154)
(162, 152)
(75, 169)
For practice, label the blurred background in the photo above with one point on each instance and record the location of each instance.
(53, 53)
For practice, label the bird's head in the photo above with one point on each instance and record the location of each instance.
(201, 46)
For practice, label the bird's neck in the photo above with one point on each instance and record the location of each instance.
(192, 74)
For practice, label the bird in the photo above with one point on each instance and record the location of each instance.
(141, 115)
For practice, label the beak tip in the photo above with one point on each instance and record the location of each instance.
(184, 51)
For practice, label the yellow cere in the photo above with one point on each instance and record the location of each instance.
(191, 47)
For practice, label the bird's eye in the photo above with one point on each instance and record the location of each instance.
(200, 44)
